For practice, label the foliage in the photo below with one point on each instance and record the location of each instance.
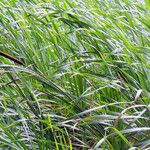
(86, 79)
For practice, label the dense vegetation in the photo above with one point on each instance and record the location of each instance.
(85, 82)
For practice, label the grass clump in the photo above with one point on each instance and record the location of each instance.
(85, 81)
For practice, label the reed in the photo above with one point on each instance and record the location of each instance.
(86, 79)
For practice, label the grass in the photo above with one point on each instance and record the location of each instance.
(86, 79)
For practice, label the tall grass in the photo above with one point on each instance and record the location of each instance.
(86, 79)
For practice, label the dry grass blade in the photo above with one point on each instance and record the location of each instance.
(11, 58)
